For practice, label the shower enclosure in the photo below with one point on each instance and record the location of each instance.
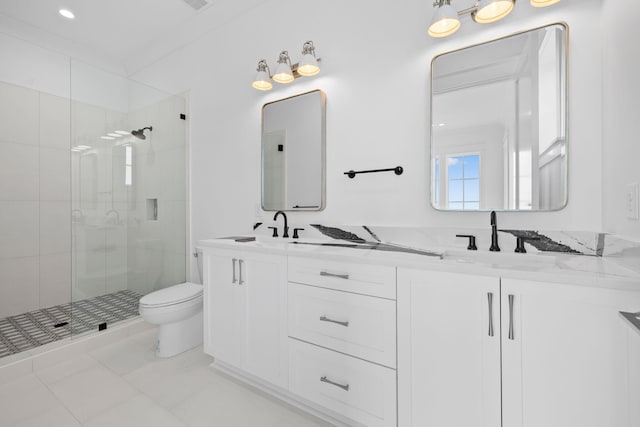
(92, 204)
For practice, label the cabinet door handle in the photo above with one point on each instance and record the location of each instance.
(341, 276)
(326, 319)
(511, 333)
(345, 387)
(240, 281)
(490, 299)
(233, 267)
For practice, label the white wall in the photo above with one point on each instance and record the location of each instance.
(30, 66)
(621, 144)
(375, 71)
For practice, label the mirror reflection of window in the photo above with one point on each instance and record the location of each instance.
(463, 182)
(436, 182)
(128, 165)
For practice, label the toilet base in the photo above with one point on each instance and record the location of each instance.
(178, 337)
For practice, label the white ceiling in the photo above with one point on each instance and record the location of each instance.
(118, 30)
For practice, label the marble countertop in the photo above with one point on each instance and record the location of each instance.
(423, 249)
(632, 319)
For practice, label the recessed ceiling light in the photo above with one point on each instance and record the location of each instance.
(123, 132)
(115, 135)
(108, 138)
(67, 13)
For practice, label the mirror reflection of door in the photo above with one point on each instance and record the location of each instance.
(274, 178)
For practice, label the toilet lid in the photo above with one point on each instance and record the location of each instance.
(172, 295)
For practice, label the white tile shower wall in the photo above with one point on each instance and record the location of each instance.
(35, 245)
(158, 246)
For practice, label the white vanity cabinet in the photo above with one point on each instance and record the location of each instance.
(565, 362)
(633, 343)
(245, 312)
(448, 349)
(557, 356)
(342, 328)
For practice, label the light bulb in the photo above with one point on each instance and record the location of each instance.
(543, 3)
(283, 72)
(445, 21)
(308, 65)
(262, 81)
(492, 10)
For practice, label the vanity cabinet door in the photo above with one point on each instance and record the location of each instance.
(633, 342)
(564, 355)
(265, 345)
(223, 301)
(245, 312)
(448, 349)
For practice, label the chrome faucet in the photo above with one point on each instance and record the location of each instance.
(494, 233)
(286, 226)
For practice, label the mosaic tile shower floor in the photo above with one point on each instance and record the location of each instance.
(35, 328)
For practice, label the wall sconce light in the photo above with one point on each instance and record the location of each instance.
(308, 65)
(446, 20)
(286, 72)
(262, 80)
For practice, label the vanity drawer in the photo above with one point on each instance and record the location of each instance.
(375, 280)
(362, 391)
(358, 325)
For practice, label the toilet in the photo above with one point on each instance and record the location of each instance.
(177, 310)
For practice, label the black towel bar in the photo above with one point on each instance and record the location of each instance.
(398, 170)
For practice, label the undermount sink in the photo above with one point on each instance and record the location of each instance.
(263, 240)
(502, 259)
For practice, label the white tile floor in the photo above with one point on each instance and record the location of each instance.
(124, 384)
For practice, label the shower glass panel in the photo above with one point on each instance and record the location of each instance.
(127, 148)
(35, 207)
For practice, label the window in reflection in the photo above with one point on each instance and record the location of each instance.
(128, 165)
(463, 181)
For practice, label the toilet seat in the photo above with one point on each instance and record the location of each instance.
(173, 295)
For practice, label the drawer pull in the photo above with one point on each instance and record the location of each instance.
(233, 267)
(240, 281)
(341, 276)
(324, 379)
(326, 319)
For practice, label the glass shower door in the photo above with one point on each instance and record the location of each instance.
(128, 195)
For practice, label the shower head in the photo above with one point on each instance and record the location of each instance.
(140, 132)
